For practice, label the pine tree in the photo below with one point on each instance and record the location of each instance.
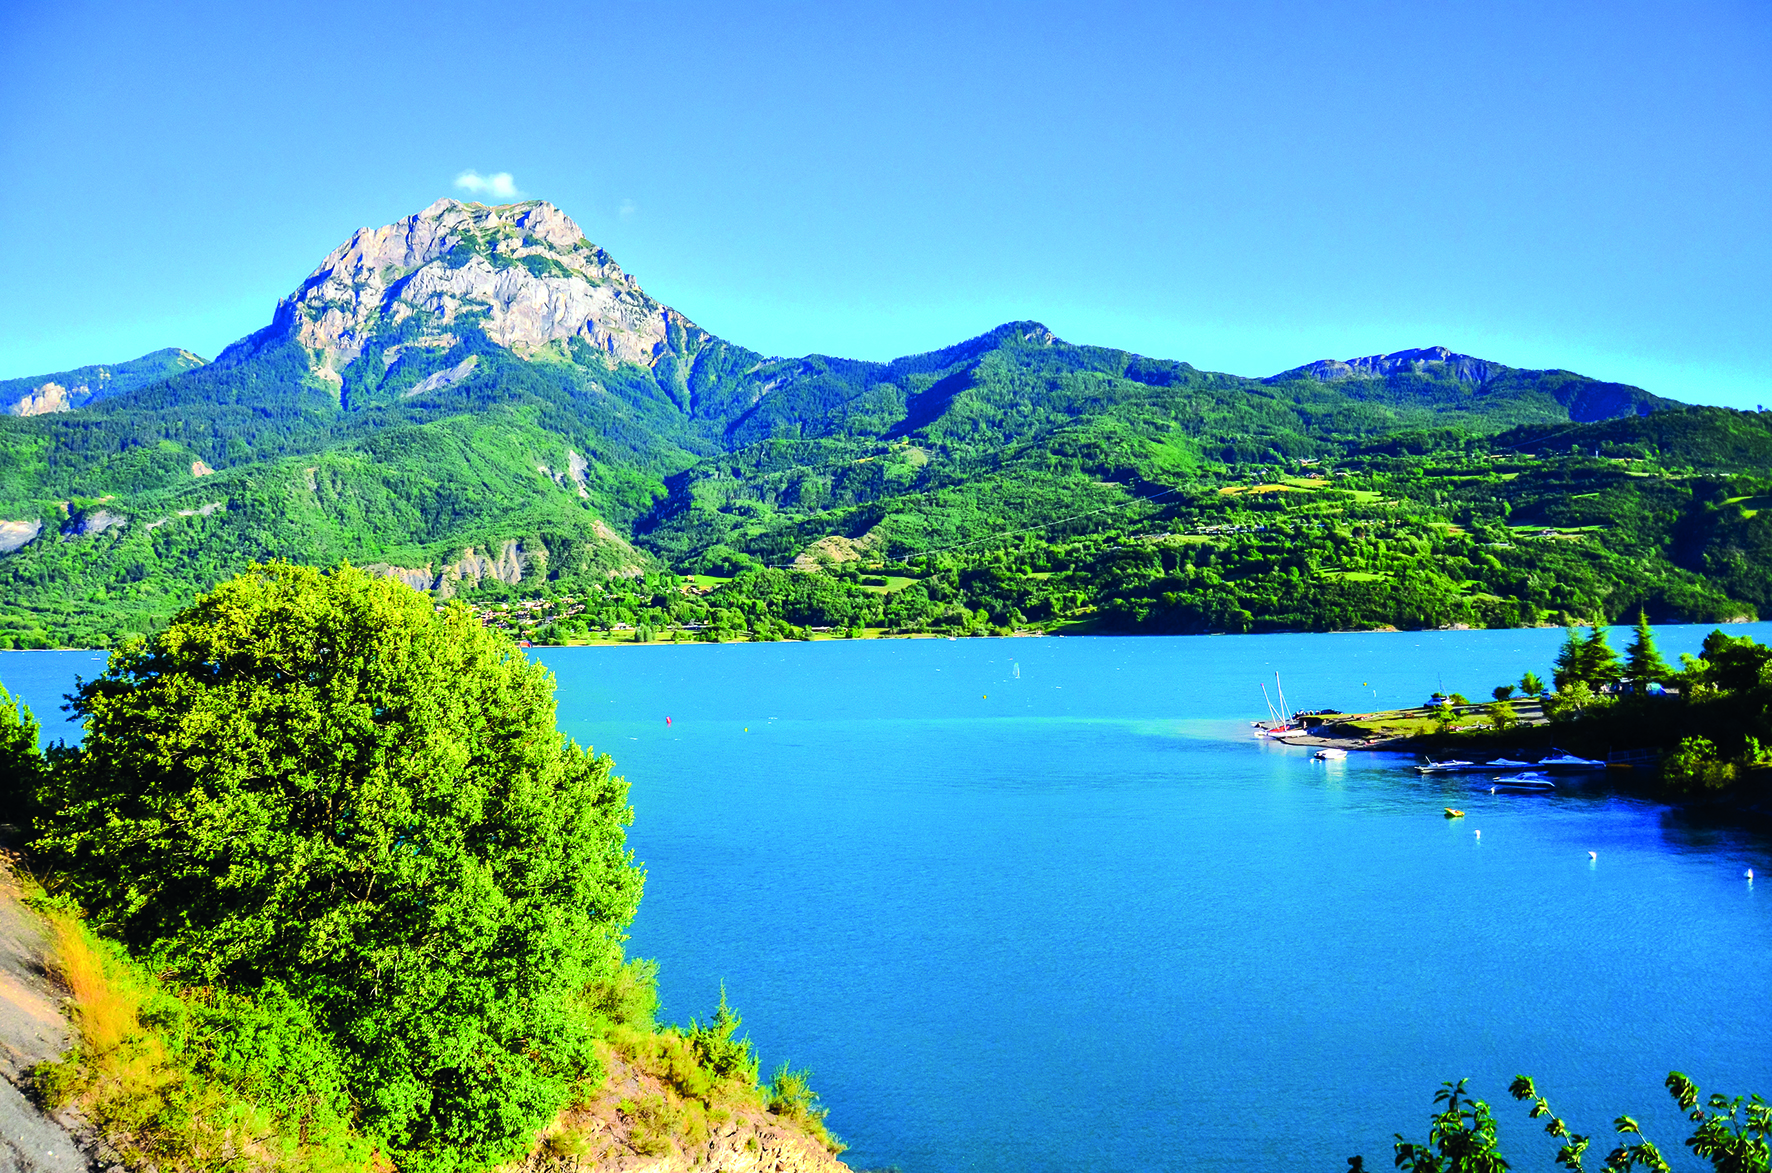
(1599, 663)
(1568, 667)
(1644, 665)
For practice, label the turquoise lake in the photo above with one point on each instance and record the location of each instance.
(1045, 904)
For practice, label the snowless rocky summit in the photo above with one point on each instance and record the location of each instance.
(1460, 366)
(523, 273)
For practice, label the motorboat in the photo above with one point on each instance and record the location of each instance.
(1330, 753)
(1454, 814)
(1524, 783)
(1506, 764)
(1563, 760)
(1433, 767)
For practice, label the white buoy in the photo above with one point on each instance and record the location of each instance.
(1593, 855)
(1479, 834)
(1750, 875)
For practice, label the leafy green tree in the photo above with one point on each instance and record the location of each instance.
(319, 781)
(1502, 715)
(21, 766)
(1734, 1135)
(1643, 662)
(1571, 701)
(1531, 685)
(1462, 1138)
(1502, 692)
(1695, 766)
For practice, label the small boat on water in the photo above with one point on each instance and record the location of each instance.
(1433, 767)
(1330, 753)
(1454, 814)
(1563, 760)
(1523, 784)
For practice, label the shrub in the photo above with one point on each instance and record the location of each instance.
(791, 1097)
(1696, 766)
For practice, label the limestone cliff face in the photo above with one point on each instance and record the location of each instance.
(15, 535)
(49, 398)
(1462, 367)
(524, 274)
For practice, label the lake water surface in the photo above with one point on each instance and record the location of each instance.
(1044, 904)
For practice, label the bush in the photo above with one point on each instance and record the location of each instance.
(1696, 766)
(791, 1097)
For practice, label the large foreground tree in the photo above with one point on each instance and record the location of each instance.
(322, 781)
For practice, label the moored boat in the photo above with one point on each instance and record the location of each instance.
(1433, 767)
(1454, 814)
(1330, 753)
(1525, 783)
(1563, 760)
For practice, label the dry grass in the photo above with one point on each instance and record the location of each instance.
(147, 1099)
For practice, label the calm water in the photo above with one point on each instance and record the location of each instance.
(1076, 918)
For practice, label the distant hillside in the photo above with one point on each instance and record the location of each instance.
(478, 399)
(1476, 389)
(67, 390)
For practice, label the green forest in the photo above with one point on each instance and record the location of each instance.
(1015, 482)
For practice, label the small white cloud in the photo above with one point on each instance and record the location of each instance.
(499, 186)
(627, 209)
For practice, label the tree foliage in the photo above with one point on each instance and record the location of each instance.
(322, 782)
(1733, 1135)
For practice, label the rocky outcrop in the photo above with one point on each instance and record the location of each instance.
(510, 564)
(199, 469)
(581, 471)
(48, 399)
(1442, 361)
(524, 274)
(514, 561)
(576, 476)
(199, 511)
(91, 523)
(419, 578)
(836, 550)
(637, 1125)
(453, 375)
(15, 535)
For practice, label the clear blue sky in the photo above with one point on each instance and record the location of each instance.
(1246, 186)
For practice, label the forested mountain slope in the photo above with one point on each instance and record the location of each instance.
(480, 400)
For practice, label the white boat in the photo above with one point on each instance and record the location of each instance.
(1531, 782)
(1440, 767)
(1330, 753)
(1563, 760)
(1506, 764)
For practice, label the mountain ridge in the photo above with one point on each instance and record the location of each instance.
(473, 376)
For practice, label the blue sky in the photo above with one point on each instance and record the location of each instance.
(1246, 186)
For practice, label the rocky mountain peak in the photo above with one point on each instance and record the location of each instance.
(523, 274)
(1427, 360)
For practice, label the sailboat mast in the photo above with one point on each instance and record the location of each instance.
(1272, 717)
(1285, 717)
